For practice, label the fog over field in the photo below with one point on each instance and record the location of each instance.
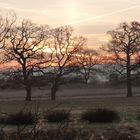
(68, 92)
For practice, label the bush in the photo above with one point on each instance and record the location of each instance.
(57, 116)
(18, 118)
(2, 119)
(100, 115)
(138, 116)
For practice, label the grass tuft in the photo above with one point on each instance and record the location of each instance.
(100, 115)
(57, 116)
(19, 118)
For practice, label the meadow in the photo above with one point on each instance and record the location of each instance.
(126, 106)
(83, 100)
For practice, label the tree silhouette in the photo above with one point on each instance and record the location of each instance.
(124, 46)
(5, 25)
(87, 60)
(24, 44)
(64, 47)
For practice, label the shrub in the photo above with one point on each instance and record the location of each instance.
(19, 118)
(138, 116)
(100, 115)
(57, 116)
(2, 119)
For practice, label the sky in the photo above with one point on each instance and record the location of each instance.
(90, 18)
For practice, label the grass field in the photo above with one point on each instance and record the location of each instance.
(128, 107)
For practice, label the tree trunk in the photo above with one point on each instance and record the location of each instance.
(53, 93)
(129, 85)
(86, 81)
(54, 90)
(28, 93)
(27, 83)
(87, 76)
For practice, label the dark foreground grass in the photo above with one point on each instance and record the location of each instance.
(128, 107)
(57, 116)
(70, 134)
(128, 128)
(20, 118)
(100, 115)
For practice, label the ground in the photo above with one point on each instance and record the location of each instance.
(75, 91)
(128, 109)
(74, 99)
(78, 100)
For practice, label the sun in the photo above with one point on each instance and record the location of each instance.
(72, 11)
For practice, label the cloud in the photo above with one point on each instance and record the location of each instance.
(5, 5)
(104, 15)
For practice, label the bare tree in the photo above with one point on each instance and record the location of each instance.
(65, 47)
(87, 60)
(6, 24)
(124, 46)
(24, 45)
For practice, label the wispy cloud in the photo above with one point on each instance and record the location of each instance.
(5, 5)
(104, 15)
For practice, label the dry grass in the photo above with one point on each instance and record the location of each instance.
(127, 107)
